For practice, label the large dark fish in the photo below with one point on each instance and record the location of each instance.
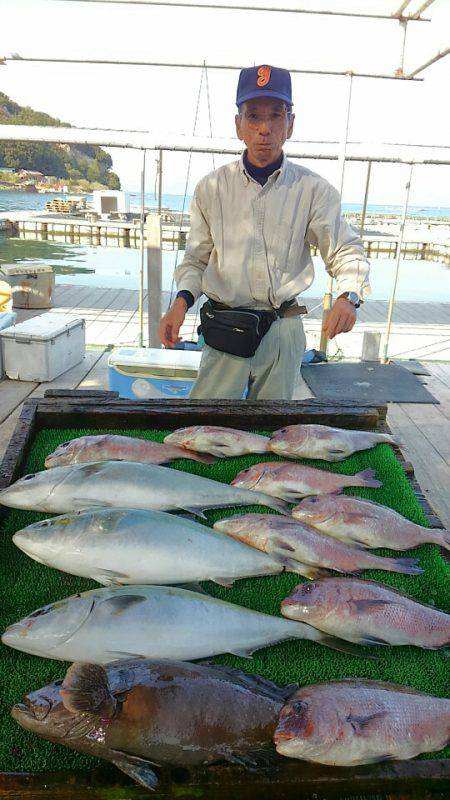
(141, 713)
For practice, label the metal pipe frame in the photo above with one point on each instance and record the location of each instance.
(142, 251)
(366, 196)
(223, 7)
(99, 61)
(437, 57)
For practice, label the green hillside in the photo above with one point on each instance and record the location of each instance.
(72, 162)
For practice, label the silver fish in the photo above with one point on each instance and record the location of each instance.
(218, 441)
(109, 483)
(291, 481)
(366, 612)
(111, 447)
(367, 523)
(354, 721)
(321, 441)
(155, 622)
(290, 540)
(126, 546)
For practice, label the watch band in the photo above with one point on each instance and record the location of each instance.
(353, 297)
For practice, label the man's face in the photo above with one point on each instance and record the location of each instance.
(264, 125)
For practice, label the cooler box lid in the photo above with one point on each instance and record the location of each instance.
(42, 328)
(25, 269)
(165, 363)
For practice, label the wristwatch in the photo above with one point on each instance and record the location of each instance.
(353, 297)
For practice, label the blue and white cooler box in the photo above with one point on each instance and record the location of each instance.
(141, 373)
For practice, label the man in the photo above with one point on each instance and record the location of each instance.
(252, 223)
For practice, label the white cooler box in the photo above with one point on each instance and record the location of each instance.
(140, 373)
(7, 318)
(43, 347)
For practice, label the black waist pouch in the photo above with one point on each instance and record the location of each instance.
(237, 331)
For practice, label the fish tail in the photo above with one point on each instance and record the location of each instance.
(441, 537)
(326, 639)
(203, 458)
(409, 566)
(366, 478)
(272, 502)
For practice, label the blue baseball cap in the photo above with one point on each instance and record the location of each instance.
(264, 81)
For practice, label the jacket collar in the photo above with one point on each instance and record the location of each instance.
(274, 177)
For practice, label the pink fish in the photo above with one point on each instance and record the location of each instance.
(291, 482)
(288, 540)
(366, 612)
(111, 447)
(367, 523)
(355, 721)
(218, 440)
(320, 441)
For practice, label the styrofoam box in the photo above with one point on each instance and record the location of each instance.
(140, 373)
(43, 347)
(7, 318)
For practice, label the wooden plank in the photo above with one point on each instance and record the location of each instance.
(433, 425)
(12, 394)
(97, 378)
(432, 471)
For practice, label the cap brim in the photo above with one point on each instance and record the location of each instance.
(256, 95)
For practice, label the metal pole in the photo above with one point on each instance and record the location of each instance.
(221, 6)
(366, 195)
(141, 276)
(435, 58)
(400, 10)
(160, 169)
(97, 61)
(400, 71)
(154, 278)
(397, 266)
(328, 296)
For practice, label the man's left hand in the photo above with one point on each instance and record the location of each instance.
(341, 318)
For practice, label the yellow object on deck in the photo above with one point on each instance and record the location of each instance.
(5, 296)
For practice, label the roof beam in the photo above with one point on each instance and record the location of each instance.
(435, 58)
(101, 61)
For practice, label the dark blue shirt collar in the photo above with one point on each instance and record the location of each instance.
(262, 174)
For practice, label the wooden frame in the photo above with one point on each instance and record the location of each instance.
(96, 409)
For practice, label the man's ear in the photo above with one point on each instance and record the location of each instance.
(290, 127)
(238, 121)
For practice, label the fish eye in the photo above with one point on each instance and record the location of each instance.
(58, 683)
(29, 477)
(308, 587)
(44, 524)
(64, 444)
(299, 707)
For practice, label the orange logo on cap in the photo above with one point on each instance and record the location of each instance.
(263, 76)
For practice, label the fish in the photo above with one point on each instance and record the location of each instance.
(321, 441)
(81, 487)
(367, 612)
(291, 482)
(141, 713)
(290, 540)
(367, 523)
(218, 441)
(110, 624)
(127, 546)
(111, 447)
(354, 721)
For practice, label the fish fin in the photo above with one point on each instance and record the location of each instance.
(198, 512)
(83, 725)
(238, 758)
(123, 602)
(283, 545)
(203, 458)
(361, 724)
(85, 689)
(257, 759)
(242, 653)
(121, 655)
(369, 605)
(137, 768)
(367, 478)
(193, 587)
(109, 577)
(277, 504)
(342, 646)
(307, 570)
(372, 641)
(264, 686)
(336, 452)
(226, 582)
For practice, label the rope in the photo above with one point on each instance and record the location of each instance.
(205, 68)
(186, 186)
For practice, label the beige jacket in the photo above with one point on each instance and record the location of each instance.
(249, 245)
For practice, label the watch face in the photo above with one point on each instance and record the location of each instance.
(353, 297)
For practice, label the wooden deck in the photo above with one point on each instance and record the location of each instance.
(112, 319)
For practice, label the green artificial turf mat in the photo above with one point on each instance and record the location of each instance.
(27, 585)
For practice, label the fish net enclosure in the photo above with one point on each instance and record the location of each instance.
(27, 585)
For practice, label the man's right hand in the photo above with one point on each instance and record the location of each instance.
(171, 322)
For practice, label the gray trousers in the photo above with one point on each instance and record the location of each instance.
(272, 374)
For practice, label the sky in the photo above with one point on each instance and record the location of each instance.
(163, 100)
